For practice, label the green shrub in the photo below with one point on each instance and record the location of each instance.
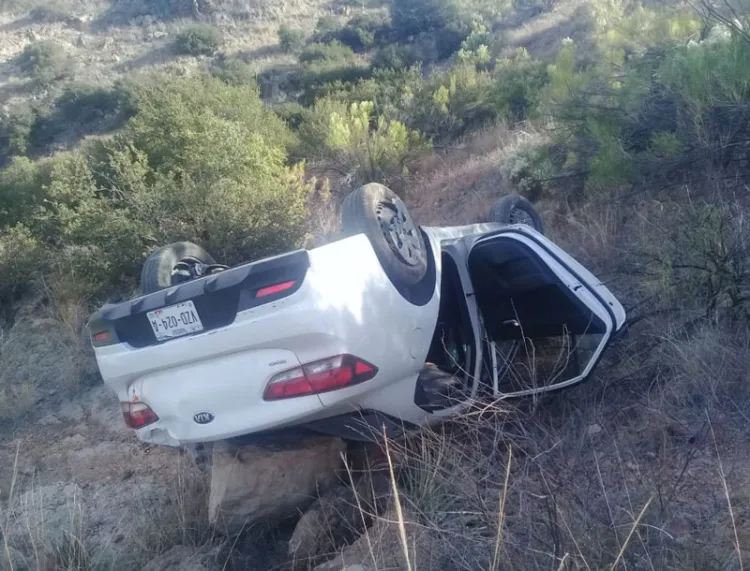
(87, 103)
(326, 24)
(395, 57)
(213, 157)
(15, 130)
(20, 256)
(200, 160)
(328, 63)
(45, 61)
(452, 102)
(333, 51)
(235, 71)
(291, 40)
(292, 113)
(529, 169)
(198, 40)
(368, 147)
(440, 20)
(518, 84)
(363, 32)
(21, 191)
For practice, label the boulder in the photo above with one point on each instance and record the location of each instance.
(250, 484)
(382, 547)
(342, 514)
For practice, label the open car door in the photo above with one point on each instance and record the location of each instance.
(546, 320)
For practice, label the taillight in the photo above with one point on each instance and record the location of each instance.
(319, 377)
(137, 414)
(101, 337)
(276, 288)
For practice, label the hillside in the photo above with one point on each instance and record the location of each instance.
(127, 125)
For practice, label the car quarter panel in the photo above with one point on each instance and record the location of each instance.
(395, 334)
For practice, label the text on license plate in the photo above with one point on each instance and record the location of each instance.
(175, 321)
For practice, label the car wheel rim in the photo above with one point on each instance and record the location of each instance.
(519, 216)
(399, 231)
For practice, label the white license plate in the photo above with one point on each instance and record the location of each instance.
(175, 321)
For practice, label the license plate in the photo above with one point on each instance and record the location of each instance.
(175, 321)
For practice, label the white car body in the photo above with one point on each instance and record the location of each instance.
(209, 385)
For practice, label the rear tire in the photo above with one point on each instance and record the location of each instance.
(380, 214)
(515, 209)
(157, 272)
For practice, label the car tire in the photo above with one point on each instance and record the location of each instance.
(515, 209)
(376, 211)
(157, 272)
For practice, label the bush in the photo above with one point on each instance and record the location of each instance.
(198, 40)
(191, 150)
(45, 61)
(20, 256)
(179, 170)
(395, 57)
(519, 83)
(328, 63)
(363, 32)
(291, 40)
(368, 147)
(333, 51)
(84, 103)
(235, 71)
(440, 20)
(325, 26)
(15, 131)
(529, 169)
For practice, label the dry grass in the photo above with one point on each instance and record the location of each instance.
(644, 466)
(36, 536)
(469, 175)
(46, 353)
(505, 488)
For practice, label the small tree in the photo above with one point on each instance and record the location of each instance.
(45, 61)
(198, 40)
(291, 40)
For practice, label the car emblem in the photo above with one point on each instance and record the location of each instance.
(203, 417)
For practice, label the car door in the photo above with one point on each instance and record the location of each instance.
(545, 319)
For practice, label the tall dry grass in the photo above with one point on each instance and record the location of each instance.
(34, 536)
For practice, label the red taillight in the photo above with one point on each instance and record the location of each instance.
(276, 288)
(137, 414)
(319, 377)
(101, 337)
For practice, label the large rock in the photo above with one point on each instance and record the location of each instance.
(382, 547)
(340, 515)
(251, 484)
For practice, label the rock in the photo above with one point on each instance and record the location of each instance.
(250, 484)
(593, 429)
(382, 547)
(183, 558)
(339, 516)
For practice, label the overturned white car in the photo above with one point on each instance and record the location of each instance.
(394, 326)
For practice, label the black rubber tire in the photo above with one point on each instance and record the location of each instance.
(503, 212)
(358, 215)
(156, 274)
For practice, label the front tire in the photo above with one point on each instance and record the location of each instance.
(381, 215)
(515, 209)
(158, 272)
